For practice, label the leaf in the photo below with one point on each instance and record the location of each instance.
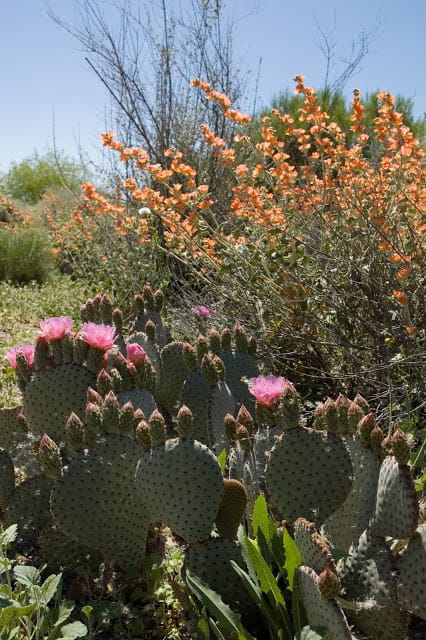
(264, 573)
(261, 517)
(221, 458)
(228, 619)
(73, 630)
(292, 558)
(26, 575)
(50, 587)
(8, 535)
(63, 612)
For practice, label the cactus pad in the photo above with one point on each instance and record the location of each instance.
(396, 511)
(412, 574)
(96, 501)
(181, 483)
(52, 395)
(7, 479)
(308, 474)
(321, 612)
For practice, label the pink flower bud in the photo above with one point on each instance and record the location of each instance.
(135, 353)
(202, 311)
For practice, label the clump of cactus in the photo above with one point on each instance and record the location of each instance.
(129, 429)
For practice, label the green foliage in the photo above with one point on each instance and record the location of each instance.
(29, 179)
(25, 255)
(32, 608)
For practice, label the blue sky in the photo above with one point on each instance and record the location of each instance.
(49, 94)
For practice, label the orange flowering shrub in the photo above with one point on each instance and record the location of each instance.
(322, 246)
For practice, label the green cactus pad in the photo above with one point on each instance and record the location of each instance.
(29, 509)
(238, 367)
(182, 486)
(174, 371)
(396, 511)
(7, 479)
(162, 333)
(211, 561)
(52, 395)
(345, 526)
(140, 399)
(220, 403)
(96, 501)
(367, 578)
(195, 395)
(308, 475)
(321, 612)
(313, 547)
(411, 588)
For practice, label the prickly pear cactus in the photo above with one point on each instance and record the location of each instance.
(179, 479)
(320, 610)
(148, 307)
(10, 426)
(411, 586)
(308, 474)
(95, 500)
(368, 578)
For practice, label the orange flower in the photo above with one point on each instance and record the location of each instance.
(400, 296)
(410, 330)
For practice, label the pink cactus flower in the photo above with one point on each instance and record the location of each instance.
(26, 349)
(135, 353)
(202, 311)
(266, 389)
(99, 336)
(55, 328)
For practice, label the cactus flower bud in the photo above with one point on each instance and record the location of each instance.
(105, 309)
(365, 427)
(117, 320)
(240, 337)
(330, 415)
(111, 413)
(376, 439)
(362, 402)
(50, 458)
(158, 428)
(355, 414)
(328, 584)
(104, 382)
(74, 433)
(209, 370)
(159, 300)
(243, 437)
(185, 422)
(148, 298)
(342, 405)
(202, 347)
(230, 426)
(138, 304)
(319, 417)
(150, 329)
(143, 435)
(244, 417)
(126, 419)
(190, 356)
(400, 446)
(226, 339)
(252, 346)
(290, 407)
(214, 341)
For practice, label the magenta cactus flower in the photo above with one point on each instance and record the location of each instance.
(55, 328)
(26, 349)
(202, 311)
(99, 336)
(135, 353)
(266, 389)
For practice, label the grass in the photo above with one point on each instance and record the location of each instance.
(21, 310)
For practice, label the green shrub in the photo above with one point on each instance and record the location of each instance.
(25, 255)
